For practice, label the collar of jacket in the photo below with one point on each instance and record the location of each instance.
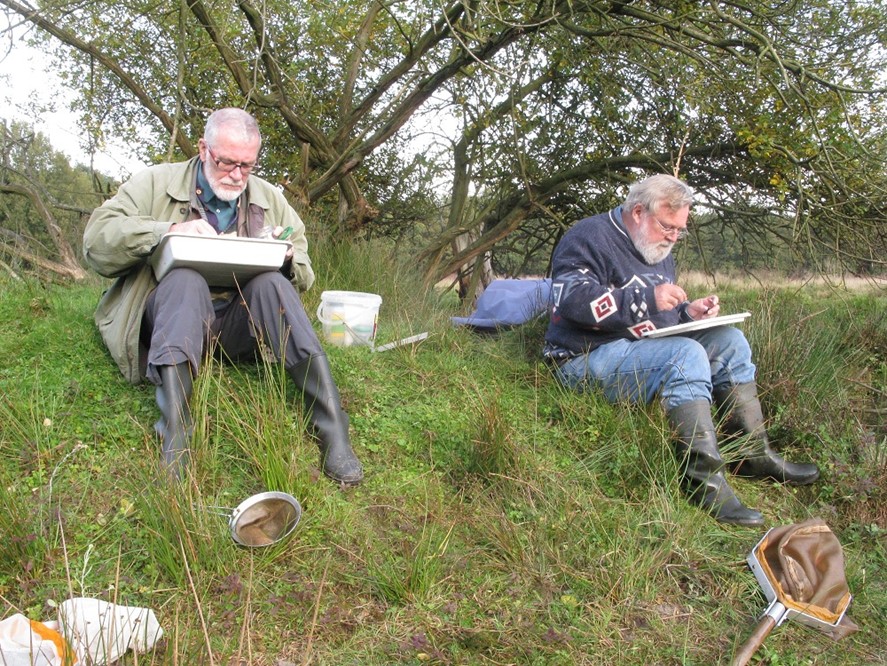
(183, 189)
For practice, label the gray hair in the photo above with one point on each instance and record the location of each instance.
(234, 123)
(657, 190)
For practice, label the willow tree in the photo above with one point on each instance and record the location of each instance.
(771, 110)
(542, 109)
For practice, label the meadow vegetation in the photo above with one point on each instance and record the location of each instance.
(503, 520)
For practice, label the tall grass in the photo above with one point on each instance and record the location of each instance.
(503, 519)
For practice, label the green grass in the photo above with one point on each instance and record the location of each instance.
(503, 520)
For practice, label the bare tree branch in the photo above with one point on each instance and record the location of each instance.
(68, 266)
(66, 37)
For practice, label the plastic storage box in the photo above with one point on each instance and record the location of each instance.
(224, 261)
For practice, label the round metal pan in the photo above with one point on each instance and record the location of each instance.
(264, 519)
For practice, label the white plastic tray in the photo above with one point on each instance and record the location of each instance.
(723, 320)
(223, 260)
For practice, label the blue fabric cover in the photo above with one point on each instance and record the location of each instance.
(508, 302)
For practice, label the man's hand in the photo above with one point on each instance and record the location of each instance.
(198, 227)
(704, 308)
(279, 231)
(669, 296)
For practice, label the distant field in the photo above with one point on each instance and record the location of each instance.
(776, 280)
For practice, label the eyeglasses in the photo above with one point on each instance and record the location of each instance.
(669, 230)
(228, 166)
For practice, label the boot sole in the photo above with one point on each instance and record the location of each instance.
(768, 477)
(348, 482)
(743, 523)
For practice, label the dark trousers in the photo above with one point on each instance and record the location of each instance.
(180, 320)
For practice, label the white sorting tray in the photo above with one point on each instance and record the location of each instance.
(223, 260)
(699, 325)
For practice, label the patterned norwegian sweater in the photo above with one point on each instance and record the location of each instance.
(603, 290)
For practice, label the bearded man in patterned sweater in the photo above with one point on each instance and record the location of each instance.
(613, 279)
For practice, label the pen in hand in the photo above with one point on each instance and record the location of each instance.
(713, 301)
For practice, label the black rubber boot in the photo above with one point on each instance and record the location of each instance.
(702, 468)
(741, 408)
(329, 421)
(175, 426)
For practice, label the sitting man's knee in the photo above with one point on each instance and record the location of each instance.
(184, 278)
(271, 280)
(688, 352)
(689, 365)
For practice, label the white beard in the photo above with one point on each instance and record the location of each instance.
(652, 252)
(225, 191)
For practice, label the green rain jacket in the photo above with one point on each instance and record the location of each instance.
(123, 232)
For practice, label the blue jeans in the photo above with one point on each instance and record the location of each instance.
(678, 368)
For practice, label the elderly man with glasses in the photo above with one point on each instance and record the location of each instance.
(613, 279)
(159, 331)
